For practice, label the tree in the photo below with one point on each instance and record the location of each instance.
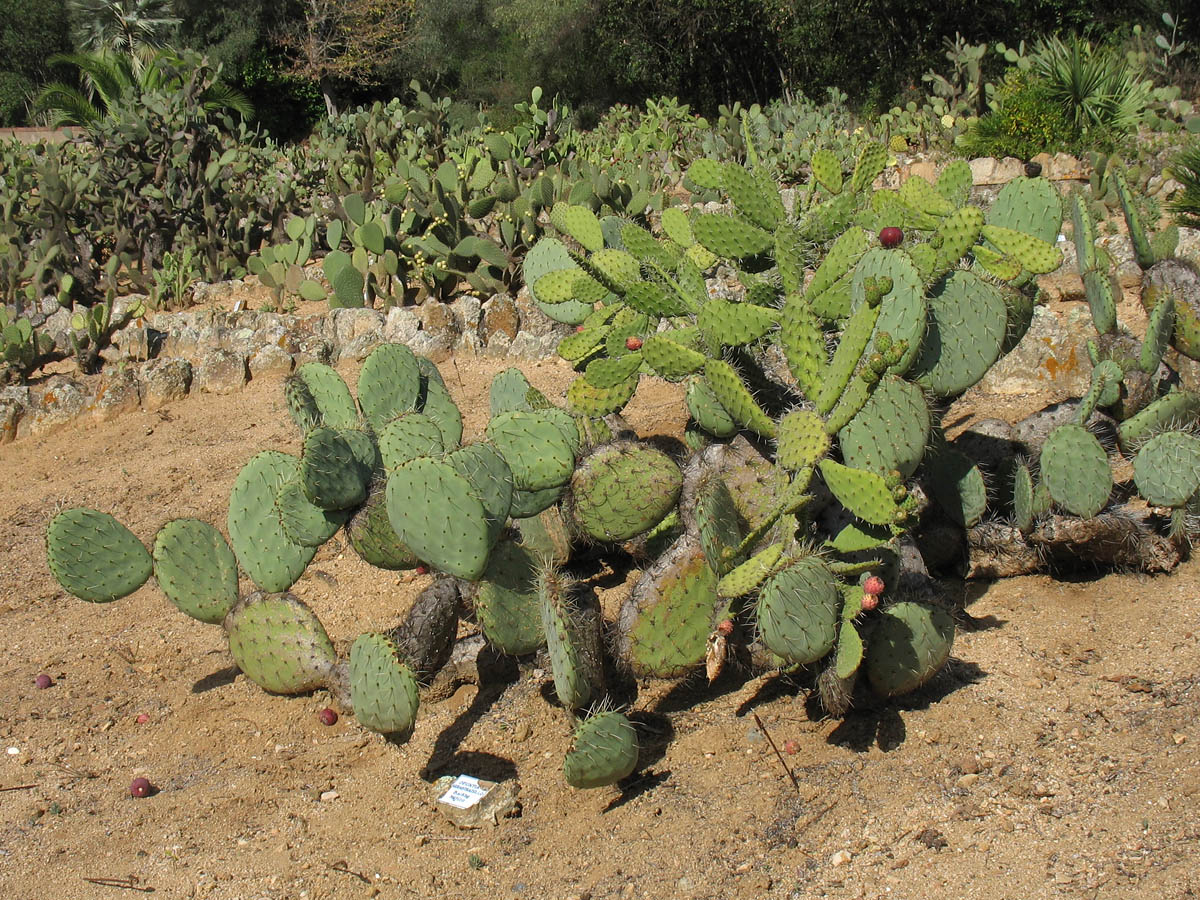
(345, 40)
(124, 26)
(30, 30)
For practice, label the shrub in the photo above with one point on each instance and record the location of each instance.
(1185, 168)
(1026, 123)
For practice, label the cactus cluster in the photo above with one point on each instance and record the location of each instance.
(815, 389)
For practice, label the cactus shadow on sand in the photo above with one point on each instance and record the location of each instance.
(881, 723)
(497, 674)
(218, 679)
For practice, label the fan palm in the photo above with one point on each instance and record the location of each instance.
(1096, 86)
(110, 78)
(126, 26)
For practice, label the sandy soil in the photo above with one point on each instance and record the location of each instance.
(1058, 756)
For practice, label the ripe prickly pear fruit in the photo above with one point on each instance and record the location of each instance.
(327, 716)
(633, 342)
(43, 681)
(891, 237)
(140, 787)
(869, 602)
(1033, 169)
(873, 585)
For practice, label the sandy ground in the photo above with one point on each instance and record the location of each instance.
(1058, 756)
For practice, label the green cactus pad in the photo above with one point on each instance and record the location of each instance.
(872, 160)
(1036, 255)
(506, 601)
(798, 611)
(435, 511)
(827, 170)
(604, 749)
(389, 384)
(330, 394)
(731, 393)
(94, 557)
(607, 373)
(622, 489)
(956, 235)
(409, 436)
(534, 447)
(717, 523)
(706, 174)
(743, 579)
(266, 553)
(491, 479)
(196, 569)
(863, 493)
(909, 645)
(968, 321)
(1030, 205)
(707, 410)
(617, 269)
(1170, 410)
(571, 623)
(854, 340)
(803, 343)
(329, 472)
(664, 625)
(999, 266)
(1023, 511)
(677, 227)
(801, 440)
(436, 403)
(1167, 469)
(902, 312)
(588, 400)
(955, 482)
(922, 196)
(730, 237)
(279, 643)
(1085, 234)
(760, 207)
(840, 259)
(382, 688)
(955, 182)
(1075, 470)
(1158, 335)
(303, 522)
(724, 323)
(889, 433)
(548, 255)
(509, 392)
(670, 359)
(373, 538)
(301, 404)
(581, 223)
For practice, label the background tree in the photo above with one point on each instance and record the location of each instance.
(30, 31)
(345, 41)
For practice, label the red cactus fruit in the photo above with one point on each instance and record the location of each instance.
(791, 747)
(140, 787)
(725, 629)
(891, 237)
(869, 602)
(633, 342)
(873, 585)
(43, 681)
(328, 716)
(422, 569)
(142, 718)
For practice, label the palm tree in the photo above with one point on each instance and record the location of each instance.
(109, 78)
(126, 26)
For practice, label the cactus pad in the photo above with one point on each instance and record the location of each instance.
(279, 643)
(622, 489)
(910, 644)
(798, 611)
(382, 688)
(266, 553)
(95, 557)
(604, 749)
(1167, 468)
(1075, 470)
(196, 569)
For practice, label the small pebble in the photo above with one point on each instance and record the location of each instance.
(521, 732)
(142, 719)
(966, 781)
(840, 858)
(326, 796)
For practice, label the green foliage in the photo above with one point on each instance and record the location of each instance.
(1097, 87)
(30, 32)
(1028, 121)
(1185, 168)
